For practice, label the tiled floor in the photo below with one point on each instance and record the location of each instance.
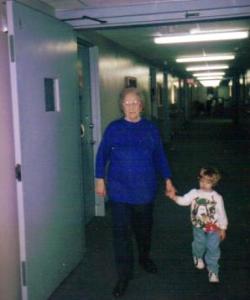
(204, 142)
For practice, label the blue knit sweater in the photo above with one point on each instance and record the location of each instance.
(132, 155)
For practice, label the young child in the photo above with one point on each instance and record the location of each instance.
(209, 221)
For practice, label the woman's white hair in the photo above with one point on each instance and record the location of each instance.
(131, 90)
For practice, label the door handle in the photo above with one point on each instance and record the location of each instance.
(82, 130)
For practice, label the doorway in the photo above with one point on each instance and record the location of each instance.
(86, 128)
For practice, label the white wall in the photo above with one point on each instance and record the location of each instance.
(115, 63)
(9, 253)
(223, 91)
(113, 70)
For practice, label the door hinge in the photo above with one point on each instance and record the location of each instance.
(23, 270)
(12, 48)
(18, 171)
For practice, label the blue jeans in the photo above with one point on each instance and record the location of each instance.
(129, 219)
(207, 244)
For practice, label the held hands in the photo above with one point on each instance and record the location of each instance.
(100, 187)
(170, 190)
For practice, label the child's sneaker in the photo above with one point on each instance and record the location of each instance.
(199, 263)
(213, 278)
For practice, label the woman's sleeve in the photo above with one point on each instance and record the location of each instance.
(103, 155)
(160, 158)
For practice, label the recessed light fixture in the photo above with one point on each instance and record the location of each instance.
(202, 37)
(201, 58)
(204, 68)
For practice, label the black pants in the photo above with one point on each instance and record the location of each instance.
(129, 219)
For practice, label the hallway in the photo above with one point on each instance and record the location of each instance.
(203, 142)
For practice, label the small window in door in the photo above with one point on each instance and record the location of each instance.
(52, 98)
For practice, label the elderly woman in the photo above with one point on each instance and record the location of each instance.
(132, 155)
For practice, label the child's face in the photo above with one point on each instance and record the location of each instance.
(205, 184)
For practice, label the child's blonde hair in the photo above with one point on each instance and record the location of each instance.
(210, 174)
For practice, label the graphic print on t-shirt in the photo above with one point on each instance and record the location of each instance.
(203, 214)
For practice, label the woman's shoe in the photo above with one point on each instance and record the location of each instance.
(149, 266)
(120, 288)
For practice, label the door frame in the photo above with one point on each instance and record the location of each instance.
(95, 109)
(17, 150)
(96, 115)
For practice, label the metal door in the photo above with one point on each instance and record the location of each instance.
(43, 56)
(87, 127)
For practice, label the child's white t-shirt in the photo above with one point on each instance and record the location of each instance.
(207, 208)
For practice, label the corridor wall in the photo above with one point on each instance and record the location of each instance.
(115, 64)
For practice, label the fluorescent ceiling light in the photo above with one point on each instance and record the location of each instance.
(207, 83)
(209, 77)
(214, 57)
(208, 74)
(199, 30)
(202, 37)
(204, 68)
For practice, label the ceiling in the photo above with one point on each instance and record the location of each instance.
(83, 4)
(139, 39)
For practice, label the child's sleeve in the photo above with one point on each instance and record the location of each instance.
(186, 199)
(222, 216)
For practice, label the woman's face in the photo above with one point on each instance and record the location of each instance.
(132, 107)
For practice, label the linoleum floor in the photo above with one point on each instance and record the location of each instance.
(204, 142)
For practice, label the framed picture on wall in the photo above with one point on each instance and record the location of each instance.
(130, 81)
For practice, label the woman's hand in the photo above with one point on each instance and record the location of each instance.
(100, 187)
(170, 190)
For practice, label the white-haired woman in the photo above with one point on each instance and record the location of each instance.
(128, 161)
